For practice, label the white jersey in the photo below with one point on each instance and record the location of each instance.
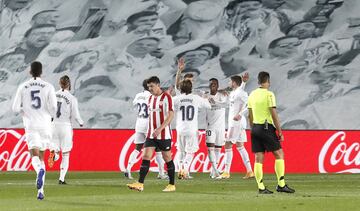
(187, 108)
(141, 101)
(67, 108)
(36, 100)
(237, 105)
(215, 116)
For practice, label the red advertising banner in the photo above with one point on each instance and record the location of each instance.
(109, 150)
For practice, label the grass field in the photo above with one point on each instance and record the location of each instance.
(107, 191)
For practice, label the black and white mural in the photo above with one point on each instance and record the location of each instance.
(108, 47)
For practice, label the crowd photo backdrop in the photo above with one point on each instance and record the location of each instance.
(108, 47)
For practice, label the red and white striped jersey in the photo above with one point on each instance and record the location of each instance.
(159, 107)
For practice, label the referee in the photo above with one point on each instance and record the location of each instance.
(264, 123)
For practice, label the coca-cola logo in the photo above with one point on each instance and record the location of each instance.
(339, 156)
(200, 162)
(14, 155)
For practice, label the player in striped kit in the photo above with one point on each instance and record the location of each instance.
(159, 134)
(66, 113)
(142, 122)
(36, 101)
(187, 106)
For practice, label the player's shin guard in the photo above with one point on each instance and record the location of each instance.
(245, 157)
(132, 159)
(259, 175)
(145, 165)
(228, 159)
(160, 162)
(36, 163)
(64, 166)
(280, 171)
(171, 172)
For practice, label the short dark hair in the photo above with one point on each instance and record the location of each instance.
(237, 79)
(132, 18)
(36, 69)
(214, 79)
(263, 77)
(43, 11)
(144, 84)
(27, 33)
(98, 80)
(185, 86)
(153, 79)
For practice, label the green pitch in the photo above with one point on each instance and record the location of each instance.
(107, 191)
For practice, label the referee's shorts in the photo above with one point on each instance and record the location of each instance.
(264, 139)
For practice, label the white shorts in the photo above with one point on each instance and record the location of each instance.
(215, 136)
(139, 138)
(188, 143)
(63, 137)
(236, 133)
(38, 139)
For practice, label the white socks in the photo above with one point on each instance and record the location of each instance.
(217, 155)
(213, 160)
(245, 157)
(36, 163)
(187, 161)
(181, 160)
(64, 166)
(132, 159)
(228, 159)
(160, 162)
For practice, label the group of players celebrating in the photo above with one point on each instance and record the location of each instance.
(157, 108)
(48, 117)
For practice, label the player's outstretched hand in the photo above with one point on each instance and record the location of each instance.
(245, 77)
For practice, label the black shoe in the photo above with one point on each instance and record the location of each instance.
(62, 182)
(285, 189)
(265, 191)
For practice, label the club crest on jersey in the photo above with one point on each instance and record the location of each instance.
(161, 103)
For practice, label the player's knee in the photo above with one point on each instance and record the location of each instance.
(259, 157)
(279, 154)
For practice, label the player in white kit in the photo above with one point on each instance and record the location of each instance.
(215, 126)
(187, 106)
(66, 113)
(140, 102)
(236, 127)
(36, 101)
